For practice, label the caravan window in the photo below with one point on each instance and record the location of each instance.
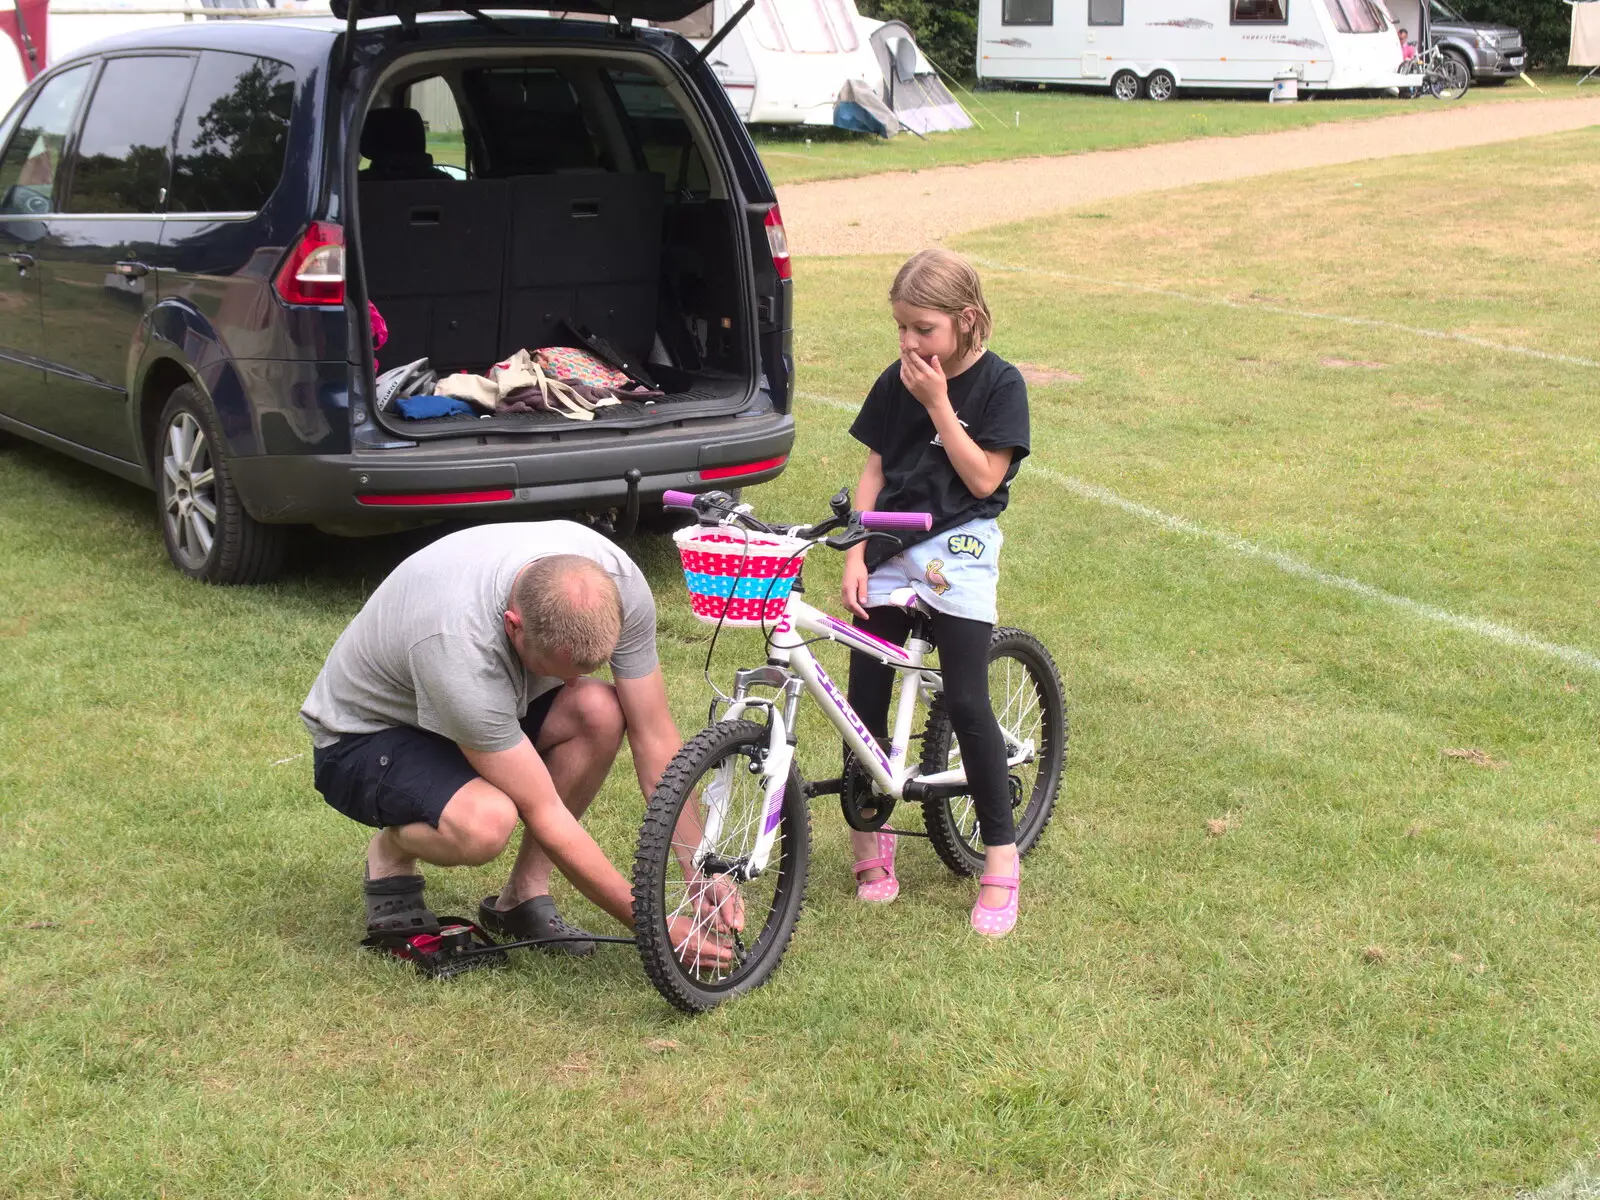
(763, 22)
(701, 23)
(1355, 16)
(1027, 12)
(1260, 12)
(1105, 12)
(844, 24)
(807, 28)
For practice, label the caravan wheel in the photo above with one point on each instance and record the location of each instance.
(1161, 85)
(1125, 85)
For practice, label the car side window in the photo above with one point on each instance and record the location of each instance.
(33, 157)
(661, 138)
(234, 134)
(124, 154)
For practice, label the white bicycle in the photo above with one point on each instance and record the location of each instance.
(737, 777)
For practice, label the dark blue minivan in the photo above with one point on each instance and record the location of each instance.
(199, 220)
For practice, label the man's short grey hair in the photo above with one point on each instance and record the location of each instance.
(569, 604)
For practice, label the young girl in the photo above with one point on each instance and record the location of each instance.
(946, 427)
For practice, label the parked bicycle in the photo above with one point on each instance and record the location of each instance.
(1439, 74)
(738, 776)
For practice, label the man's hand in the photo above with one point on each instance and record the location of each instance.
(924, 380)
(718, 904)
(696, 945)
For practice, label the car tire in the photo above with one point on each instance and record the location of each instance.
(208, 533)
(1125, 85)
(1161, 86)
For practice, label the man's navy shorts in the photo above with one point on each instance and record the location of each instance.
(401, 776)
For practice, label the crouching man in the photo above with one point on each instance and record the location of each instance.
(458, 703)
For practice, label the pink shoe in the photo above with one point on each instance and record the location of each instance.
(879, 891)
(997, 922)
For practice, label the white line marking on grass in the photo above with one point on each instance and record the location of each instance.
(1582, 1184)
(1290, 565)
(1440, 335)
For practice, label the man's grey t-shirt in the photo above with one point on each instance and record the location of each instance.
(429, 648)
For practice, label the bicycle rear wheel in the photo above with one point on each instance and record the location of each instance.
(1451, 79)
(722, 760)
(1025, 689)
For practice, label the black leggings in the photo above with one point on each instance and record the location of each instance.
(964, 661)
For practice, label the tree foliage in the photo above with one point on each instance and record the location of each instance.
(946, 30)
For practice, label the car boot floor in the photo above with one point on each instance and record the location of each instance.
(709, 393)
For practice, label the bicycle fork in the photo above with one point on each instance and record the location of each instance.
(773, 769)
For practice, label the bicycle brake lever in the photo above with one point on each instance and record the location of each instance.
(857, 536)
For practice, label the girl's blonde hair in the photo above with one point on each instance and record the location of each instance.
(945, 282)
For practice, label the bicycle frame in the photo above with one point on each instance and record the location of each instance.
(792, 670)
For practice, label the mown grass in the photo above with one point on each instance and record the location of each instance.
(1375, 974)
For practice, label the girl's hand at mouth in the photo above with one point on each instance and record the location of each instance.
(924, 380)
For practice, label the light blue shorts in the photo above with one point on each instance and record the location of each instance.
(957, 572)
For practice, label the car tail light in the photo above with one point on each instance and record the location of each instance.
(766, 464)
(314, 271)
(778, 243)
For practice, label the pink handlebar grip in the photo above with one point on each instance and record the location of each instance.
(917, 522)
(677, 499)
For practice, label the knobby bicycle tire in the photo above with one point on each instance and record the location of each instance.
(654, 865)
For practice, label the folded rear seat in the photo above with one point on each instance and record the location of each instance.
(434, 259)
(585, 246)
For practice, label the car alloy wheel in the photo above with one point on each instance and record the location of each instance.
(188, 491)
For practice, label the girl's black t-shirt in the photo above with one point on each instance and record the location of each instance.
(991, 402)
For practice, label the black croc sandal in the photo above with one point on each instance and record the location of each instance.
(395, 908)
(536, 918)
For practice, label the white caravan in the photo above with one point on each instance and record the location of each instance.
(788, 63)
(1154, 47)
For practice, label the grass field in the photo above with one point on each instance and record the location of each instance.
(1018, 124)
(1277, 943)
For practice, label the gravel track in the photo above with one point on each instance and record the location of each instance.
(901, 212)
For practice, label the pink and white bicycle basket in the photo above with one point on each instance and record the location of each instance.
(741, 579)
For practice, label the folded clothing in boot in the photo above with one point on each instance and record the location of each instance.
(425, 408)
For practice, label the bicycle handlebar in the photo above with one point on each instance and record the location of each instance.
(919, 522)
(877, 522)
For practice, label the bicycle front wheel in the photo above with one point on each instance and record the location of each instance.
(1025, 690)
(715, 784)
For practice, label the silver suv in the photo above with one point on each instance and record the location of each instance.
(1491, 53)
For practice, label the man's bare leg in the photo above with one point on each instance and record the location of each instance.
(578, 742)
(473, 829)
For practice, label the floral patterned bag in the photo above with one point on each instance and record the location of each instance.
(574, 365)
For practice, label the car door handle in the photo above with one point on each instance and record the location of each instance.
(131, 270)
(22, 261)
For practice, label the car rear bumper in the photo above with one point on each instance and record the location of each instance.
(379, 488)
